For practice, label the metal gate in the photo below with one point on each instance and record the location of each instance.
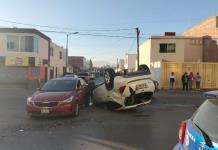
(207, 71)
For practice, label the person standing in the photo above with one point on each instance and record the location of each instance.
(191, 79)
(172, 80)
(198, 81)
(185, 79)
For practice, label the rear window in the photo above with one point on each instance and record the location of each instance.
(83, 74)
(206, 118)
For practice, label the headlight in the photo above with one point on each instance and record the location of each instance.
(70, 99)
(29, 101)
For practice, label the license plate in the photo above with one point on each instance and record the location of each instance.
(45, 111)
(141, 86)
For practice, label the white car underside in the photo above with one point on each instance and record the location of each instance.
(128, 91)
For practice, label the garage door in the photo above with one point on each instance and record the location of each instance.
(13, 75)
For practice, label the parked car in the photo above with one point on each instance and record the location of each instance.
(200, 132)
(211, 94)
(61, 96)
(84, 75)
(125, 91)
(69, 74)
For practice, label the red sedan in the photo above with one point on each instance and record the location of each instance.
(61, 96)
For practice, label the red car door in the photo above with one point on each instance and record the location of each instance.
(79, 92)
(85, 88)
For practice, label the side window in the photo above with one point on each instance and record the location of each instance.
(83, 83)
(78, 84)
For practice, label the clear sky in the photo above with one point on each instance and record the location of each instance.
(101, 16)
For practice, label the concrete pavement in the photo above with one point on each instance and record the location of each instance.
(152, 127)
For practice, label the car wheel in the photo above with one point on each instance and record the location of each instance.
(144, 68)
(109, 78)
(76, 109)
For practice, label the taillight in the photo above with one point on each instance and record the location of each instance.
(182, 132)
(121, 89)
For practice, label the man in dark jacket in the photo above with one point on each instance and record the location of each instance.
(185, 80)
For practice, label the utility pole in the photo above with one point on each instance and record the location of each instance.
(137, 32)
(68, 34)
(67, 53)
(117, 65)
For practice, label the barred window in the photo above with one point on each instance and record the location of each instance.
(168, 48)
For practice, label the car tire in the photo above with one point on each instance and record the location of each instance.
(76, 109)
(144, 68)
(109, 76)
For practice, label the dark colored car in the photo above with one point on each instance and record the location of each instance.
(61, 96)
(211, 94)
(201, 131)
(84, 75)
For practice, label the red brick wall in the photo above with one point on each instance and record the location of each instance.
(210, 50)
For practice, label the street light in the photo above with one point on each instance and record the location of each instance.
(68, 34)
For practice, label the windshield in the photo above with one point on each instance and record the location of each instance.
(59, 85)
(206, 118)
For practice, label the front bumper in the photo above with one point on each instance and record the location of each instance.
(59, 110)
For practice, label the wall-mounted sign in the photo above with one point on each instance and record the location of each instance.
(16, 61)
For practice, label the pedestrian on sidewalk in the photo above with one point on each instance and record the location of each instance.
(198, 81)
(172, 80)
(191, 79)
(185, 81)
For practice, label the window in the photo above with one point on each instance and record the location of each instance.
(35, 44)
(51, 51)
(12, 43)
(22, 43)
(78, 84)
(32, 61)
(26, 44)
(168, 48)
(60, 55)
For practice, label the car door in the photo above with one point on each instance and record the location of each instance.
(79, 92)
(85, 89)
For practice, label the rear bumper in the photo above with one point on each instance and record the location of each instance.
(60, 110)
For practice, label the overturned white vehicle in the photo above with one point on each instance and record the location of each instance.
(125, 91)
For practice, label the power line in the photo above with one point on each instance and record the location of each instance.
(63, 28)
(90, 34)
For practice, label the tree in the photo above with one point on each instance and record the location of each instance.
(90, 64)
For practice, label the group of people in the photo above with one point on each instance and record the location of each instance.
(187, 80)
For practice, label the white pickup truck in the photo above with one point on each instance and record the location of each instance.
(125, 91)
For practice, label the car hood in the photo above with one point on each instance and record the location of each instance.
(43, 96)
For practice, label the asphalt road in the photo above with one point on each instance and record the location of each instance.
(152, 127)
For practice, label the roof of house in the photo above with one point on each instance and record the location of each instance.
(24, 30)
(174, 37)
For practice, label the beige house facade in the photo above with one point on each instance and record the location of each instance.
(208, 30)
(207, 27)
(22, 48)
(130, 62)
(57, 59)
(160, 49)
(170, 48)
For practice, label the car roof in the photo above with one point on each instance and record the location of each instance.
(66, 78)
